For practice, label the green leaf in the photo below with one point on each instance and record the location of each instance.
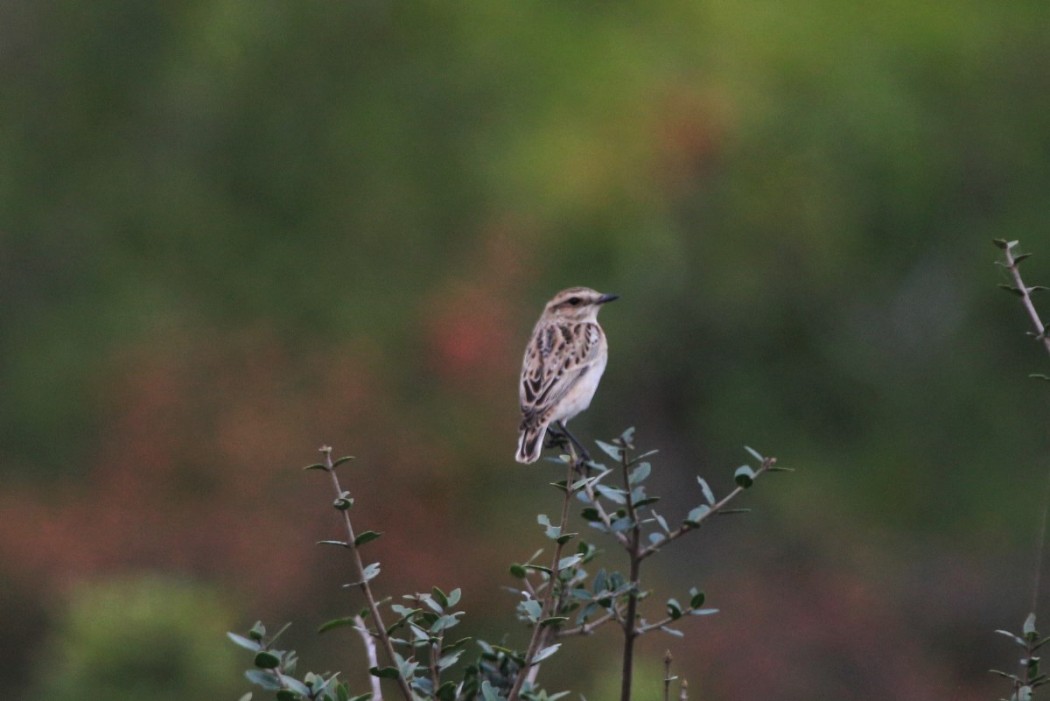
(1036, 288)
(1020, 258)
(370, 572)
(340, 461)
(656, 538)
(336, 623)
(639, 474)
(316, 466)
(744, 476)
(384, 673)
(532, 610)
(553, 621)
(590, 514)
(697, 599)
(443, 623)
(1012, 289)
(627, 438)
(265, 659)
(246, 697)
(566, 537)
(617, 496)
(706, 489)
(696, 515)
(613, 451)
(488, 693)
(545, 653)
(288, 695)
(674, 609)
(459, 643)
(1000, 243)
(672, 631)
(244, 642)
(340, 543)
(703, 612)
(258, 631)
(570, 561)
(439, 597)
(1016, 638)
(454, 596)
(646, 502)
(754, 453)
(366, 537)
(518, 571)
(1029, 627)
(447, 691)
(264, 678)
(449, 659)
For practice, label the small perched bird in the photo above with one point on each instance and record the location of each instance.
(563, 363)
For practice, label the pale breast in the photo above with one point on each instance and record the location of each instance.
(582, 392)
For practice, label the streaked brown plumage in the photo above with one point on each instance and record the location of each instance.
(564, 361)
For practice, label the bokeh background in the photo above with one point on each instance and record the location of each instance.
(233, 231)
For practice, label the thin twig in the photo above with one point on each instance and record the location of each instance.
(586, 628)
(603, 515)
(536, 641)
(634, 551)
(1012, 265)
(362, 583)
(370, 653)
(667, 675)
(767, 464)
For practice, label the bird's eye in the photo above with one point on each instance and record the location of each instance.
(574, 301)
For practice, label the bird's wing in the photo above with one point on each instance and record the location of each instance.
(555, 360)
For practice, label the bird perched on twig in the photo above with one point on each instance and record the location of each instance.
(564, 361)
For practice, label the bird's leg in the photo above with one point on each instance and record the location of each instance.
(586, 457)
(555, 439)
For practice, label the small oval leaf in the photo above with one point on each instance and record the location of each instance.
(264, 659)
(366, 537)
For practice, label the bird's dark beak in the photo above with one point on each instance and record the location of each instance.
(607, 298)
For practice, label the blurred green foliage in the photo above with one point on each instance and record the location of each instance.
(206, 207)
(140, 637)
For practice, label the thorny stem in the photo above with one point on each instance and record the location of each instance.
(1012, 265)
(530, 669)
(363, 585)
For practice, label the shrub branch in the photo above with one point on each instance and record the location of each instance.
(362, 583)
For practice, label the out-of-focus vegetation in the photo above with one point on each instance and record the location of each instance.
(149, 638)
(233, 231)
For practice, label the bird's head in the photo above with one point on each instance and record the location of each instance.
(577, 304)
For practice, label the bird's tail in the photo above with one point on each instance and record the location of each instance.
(530, 442)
